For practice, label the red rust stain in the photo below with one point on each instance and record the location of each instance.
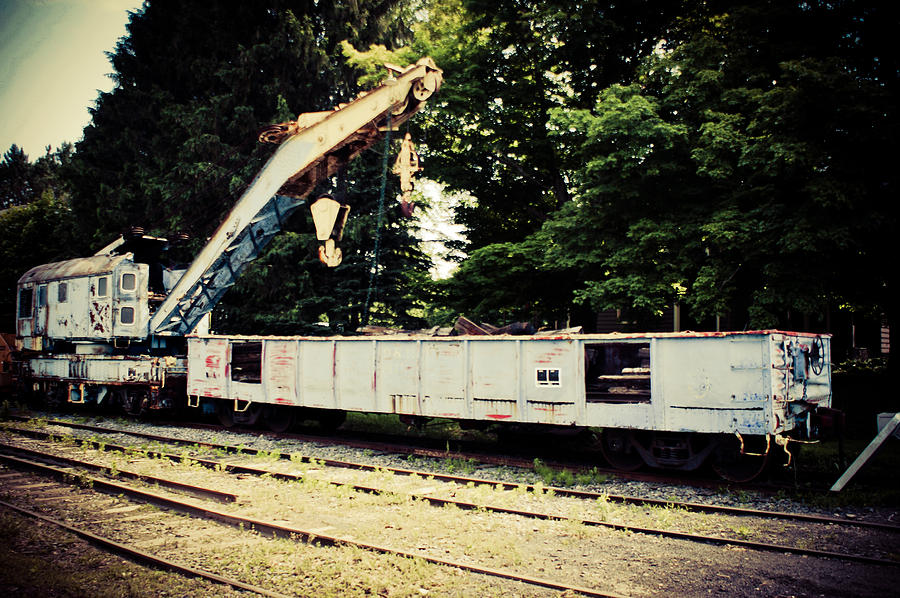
(498, 415)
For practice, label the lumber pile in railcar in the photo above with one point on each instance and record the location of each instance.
(466, 327)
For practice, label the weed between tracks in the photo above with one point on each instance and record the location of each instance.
(565, 478)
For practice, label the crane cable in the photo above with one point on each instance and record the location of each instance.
(373, 282)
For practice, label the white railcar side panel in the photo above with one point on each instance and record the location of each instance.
(552, 381)
(279, 372)
(712, 384)
(444, 374)
(493, 380)
(397, 384)
(248, 391)
(208, 367)
(637, 416)
(316, 371)
(354, 373)
(716, 383)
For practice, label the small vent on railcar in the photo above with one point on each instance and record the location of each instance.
(246, 362)
(617, 372)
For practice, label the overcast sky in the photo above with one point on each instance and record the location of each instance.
(53, 65)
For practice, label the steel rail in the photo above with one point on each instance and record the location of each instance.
(487, 459)
(63, 475)
(296, 534)
(435, 453)
(438, 501)
(566, 492)
(140, 555)
(206, 493)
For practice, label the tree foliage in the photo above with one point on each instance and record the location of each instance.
(173, 145)
(36, 223)
(736, 162)
(507, 63)
(733, 157)
(36, 233)
(22, 181)
(746, 168)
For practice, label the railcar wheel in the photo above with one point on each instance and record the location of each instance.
(278, 418)
(225, 414)
(742, 459)
(135, 402)
(56, 396)
(618, 449)
(331, 419)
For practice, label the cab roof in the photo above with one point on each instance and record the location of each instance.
(83, 266)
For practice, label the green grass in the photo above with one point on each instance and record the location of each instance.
(437, 428)
(874, 485)
(565, 477)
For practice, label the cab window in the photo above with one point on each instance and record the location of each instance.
(129, 282)
(102, 286)
(126, 315)
(26, 297)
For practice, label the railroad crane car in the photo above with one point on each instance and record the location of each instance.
(669, 400)
(110, 328)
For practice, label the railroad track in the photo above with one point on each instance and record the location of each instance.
(467, 480)
(201, 510)
(478, 453)
(140, 556)
(818, 524)
(379, 444)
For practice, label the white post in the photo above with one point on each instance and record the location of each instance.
(867, 454)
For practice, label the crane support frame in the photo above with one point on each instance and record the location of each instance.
(315, 147)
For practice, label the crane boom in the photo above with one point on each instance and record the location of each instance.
(311, 149)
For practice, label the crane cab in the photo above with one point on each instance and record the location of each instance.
(97, 299)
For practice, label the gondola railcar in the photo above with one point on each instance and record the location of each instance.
(673, 400)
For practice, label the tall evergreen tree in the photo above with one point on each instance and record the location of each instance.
(22, 181)
(174, 143)
(36, 223)
(15, 178)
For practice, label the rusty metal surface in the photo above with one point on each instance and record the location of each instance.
(106, 369)
(85, 266)
(98, 298)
